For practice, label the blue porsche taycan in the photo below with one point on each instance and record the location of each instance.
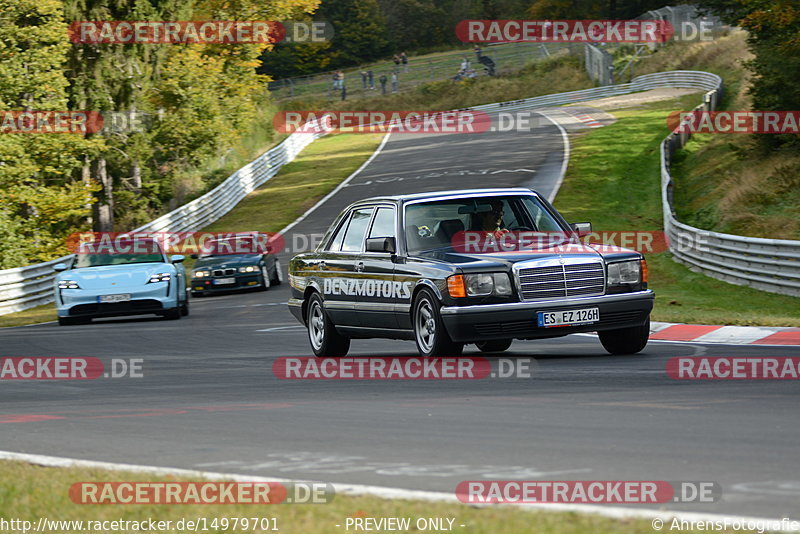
(125, 280)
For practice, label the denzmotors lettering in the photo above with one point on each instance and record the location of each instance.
(369, 288)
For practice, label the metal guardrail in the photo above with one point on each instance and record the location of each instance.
(771, 265)
(767, 264)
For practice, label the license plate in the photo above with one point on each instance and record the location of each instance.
(223, 281)
(568, 317)
(124, 297)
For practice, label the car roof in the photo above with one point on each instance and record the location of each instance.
(452, 192)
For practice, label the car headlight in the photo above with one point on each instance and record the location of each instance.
(68, 284)
(201, 274)
(248, 269)
(160, 277)
(624, 272)
(479, 285)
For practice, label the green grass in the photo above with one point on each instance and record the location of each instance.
(300, 184)
(39, 314)
(613, 181)
(29, 492)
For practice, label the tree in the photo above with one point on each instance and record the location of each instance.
(774, 38)
(36, 170)
(360, 32)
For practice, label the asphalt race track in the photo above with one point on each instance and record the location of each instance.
(208, 398)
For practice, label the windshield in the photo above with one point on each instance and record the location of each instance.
(98, 255)
(442, 224)
(233, 246)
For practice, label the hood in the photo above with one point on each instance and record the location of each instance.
(233, 260)
(116, 276)
(488, 260)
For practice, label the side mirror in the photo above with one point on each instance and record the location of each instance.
(582, 227)
(381, 244)
(193, 256)
(58, 267)
(177, 258)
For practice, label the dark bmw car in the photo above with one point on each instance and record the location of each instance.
(456, 267)
(241, 261)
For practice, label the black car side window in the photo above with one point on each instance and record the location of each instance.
(336, 243)
(356, 230)
(383, 225)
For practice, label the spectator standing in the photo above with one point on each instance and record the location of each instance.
(370, 80)
(396, 60)
(464, 63)
(335, 79)
(404, 61)
(383, 79)
(363, 79)
(394, 82)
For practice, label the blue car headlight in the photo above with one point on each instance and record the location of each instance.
(160, 277)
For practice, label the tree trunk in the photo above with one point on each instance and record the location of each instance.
(104, 207)
(86, 178)
(136, 177)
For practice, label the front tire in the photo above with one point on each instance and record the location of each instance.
(494, 345)
(70, 321)
(185, 307)
(277, 279)
(626, 340)
(429, 330)
(173, 314)
(325, 340)
(265, 279)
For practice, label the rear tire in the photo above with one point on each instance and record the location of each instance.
(494, 345)
(325, 340)
(626, 340)
(429, 330)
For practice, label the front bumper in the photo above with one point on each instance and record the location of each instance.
(517, 320)
(144, 300)
(241, 281)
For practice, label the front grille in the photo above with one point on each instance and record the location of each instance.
(559, 281)
(143, 305)
(223, 272)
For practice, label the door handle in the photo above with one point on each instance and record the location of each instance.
(360, 267)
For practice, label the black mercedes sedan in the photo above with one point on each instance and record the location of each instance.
(451, 268)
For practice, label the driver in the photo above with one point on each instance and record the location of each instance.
(492, 221)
